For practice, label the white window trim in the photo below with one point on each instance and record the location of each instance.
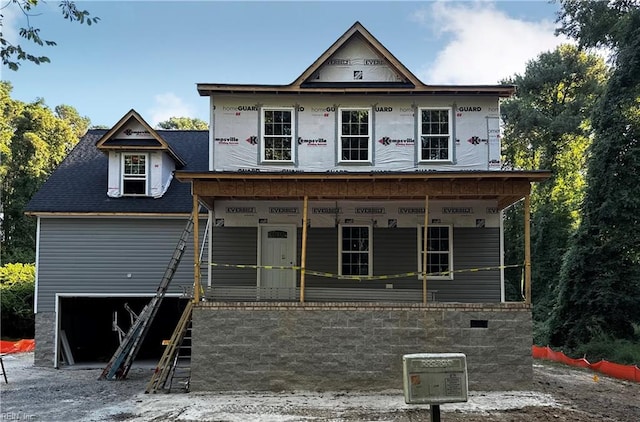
(124, 177)
(263, 137)
(420, 135)
(369, 159)
(370, 251)
(420, 257)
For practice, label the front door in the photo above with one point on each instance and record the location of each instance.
(277, 249)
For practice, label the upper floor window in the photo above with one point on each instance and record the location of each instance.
(355, 250)
(436, 137)
(277, 134)
(134, 174)
(439, 251)
(355, 134)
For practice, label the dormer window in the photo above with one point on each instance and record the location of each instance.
(134, 174)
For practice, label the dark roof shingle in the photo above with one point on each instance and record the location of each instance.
(79, 184)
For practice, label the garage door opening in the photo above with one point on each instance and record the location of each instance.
(87, 323)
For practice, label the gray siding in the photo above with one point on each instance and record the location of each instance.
(234, 245)
(94, 256)
(394, 252)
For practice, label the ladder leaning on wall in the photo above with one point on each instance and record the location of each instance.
(173, 371)
(121, 361)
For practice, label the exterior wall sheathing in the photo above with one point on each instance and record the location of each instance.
(348, 346)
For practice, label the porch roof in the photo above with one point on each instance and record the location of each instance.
(506, 187)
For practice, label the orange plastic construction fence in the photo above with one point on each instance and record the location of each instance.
(624, 372)
(27, 345)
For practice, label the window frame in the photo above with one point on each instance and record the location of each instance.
(264, 136)
(340, 135)
(449, 135)
(124, 177)
(449, 252)
(341, 252)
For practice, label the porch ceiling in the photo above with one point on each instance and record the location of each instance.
(506, 187)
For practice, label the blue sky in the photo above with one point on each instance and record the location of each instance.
(149, 55)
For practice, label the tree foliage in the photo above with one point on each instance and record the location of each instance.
(600, 281)
(183, 123)
(33, 141)
(547, 127)
(17, 284)
(13, 54)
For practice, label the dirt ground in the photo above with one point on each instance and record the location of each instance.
(559, 393)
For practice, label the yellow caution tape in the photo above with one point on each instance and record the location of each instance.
(363, 277)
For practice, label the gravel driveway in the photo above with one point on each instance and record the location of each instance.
(44, 394)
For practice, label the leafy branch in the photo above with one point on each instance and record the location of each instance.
(13, 54)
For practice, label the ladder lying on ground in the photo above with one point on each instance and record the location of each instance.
(121, 361)
(173, 371)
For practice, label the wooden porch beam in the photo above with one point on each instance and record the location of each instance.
(424, 250)
(196, 248)
(303, 253)
(359, 188)
(527, 249)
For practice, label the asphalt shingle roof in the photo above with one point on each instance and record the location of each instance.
(79, 184)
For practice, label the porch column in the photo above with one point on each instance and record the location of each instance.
(210, 222)
(527, 249)
(424, 250)
(196, 248)
(303, 253)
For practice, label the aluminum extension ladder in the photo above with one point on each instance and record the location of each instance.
(121, 361)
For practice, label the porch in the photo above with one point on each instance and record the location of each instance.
(501, 188)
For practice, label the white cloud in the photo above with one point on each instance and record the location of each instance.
(485, 45)
(168, 105)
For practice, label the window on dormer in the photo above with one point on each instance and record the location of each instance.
(134, 174)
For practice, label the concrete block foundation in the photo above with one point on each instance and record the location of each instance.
(349, 346)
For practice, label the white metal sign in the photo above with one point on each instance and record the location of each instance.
(435, 378)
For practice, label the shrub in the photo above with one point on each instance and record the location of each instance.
(17, 286)
(622, 351)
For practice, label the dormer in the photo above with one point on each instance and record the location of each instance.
(141, 162)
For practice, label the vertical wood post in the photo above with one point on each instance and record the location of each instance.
(424, 250)
(303, 253)
(527, 249)
(196, 248)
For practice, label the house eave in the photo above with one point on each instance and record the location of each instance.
(501, 91)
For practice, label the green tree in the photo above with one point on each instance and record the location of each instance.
(79, 124)
(599, 290)
(17, 284)
(183, 123)
(547, 127)
(13, 54)
(34, 141)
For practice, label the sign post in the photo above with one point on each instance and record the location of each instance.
(434, 379)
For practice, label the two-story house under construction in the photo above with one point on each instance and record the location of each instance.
(345, 219)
